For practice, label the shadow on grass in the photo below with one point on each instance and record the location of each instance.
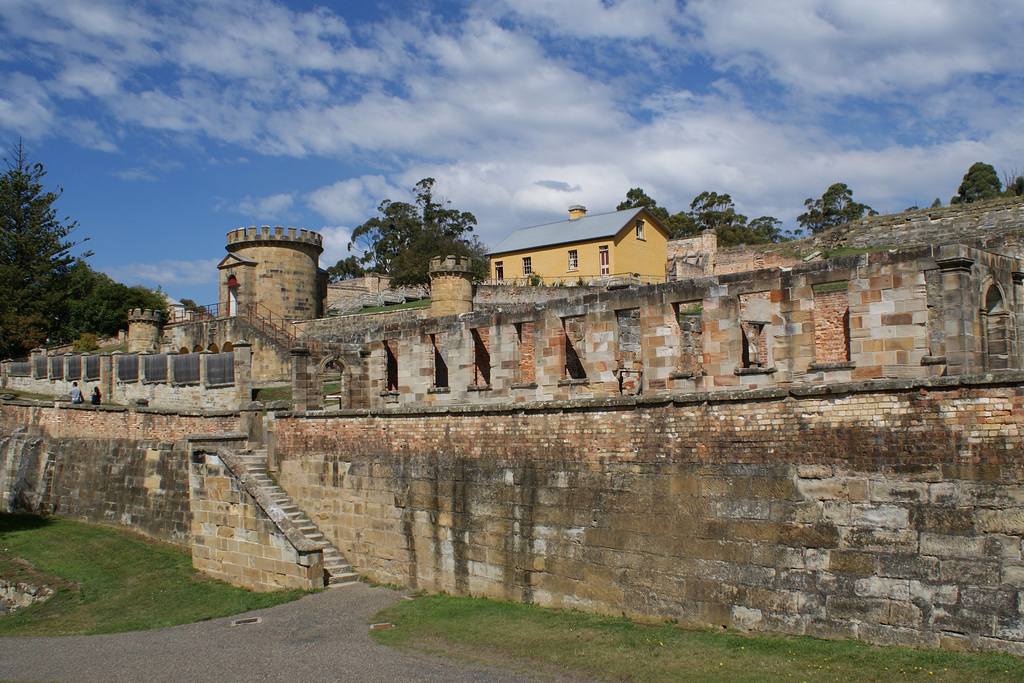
(21, 521)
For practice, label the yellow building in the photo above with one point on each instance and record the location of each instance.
(627, 246)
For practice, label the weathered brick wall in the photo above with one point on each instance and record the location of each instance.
(831, 326)
(886, 511)
(105, 465)
(114, 422)
(139, 484)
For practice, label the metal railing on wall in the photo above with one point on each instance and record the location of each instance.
(261, 318)
(616, 280)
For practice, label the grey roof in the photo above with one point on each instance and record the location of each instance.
(564, 232)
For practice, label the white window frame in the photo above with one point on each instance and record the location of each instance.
(527, 266)
(574, 260)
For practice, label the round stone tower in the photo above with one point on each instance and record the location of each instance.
(451, 286)
(143, 330)
(274, 270)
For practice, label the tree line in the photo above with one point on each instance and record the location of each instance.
(47, 295)
(402, 239)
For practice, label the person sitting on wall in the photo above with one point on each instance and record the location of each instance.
(76, 393)
(94, 397)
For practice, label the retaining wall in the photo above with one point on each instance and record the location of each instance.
(886, 511)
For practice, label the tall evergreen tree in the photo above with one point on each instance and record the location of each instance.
(35, 257)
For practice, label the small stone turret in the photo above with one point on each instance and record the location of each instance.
(451, 286)
(144, 330)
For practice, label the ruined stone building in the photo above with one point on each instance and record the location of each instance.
(771, 441)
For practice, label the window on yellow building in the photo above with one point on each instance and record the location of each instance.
(499, 270)
(527, 266)
(640, 229)
(573, 260)
(602, 252)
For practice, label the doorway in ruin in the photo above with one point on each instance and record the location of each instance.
(333, 379)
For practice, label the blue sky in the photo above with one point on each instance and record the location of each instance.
(170, 123)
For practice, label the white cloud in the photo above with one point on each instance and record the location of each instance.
(168, 274)
(266, 208)
(628, 19)
(859, 47)
(336, 239)
(353, 200)
(505, 107)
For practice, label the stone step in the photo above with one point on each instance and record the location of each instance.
(346, 579)
(337, 570)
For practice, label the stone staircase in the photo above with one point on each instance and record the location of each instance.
(337, 570)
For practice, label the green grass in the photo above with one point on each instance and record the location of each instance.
(268, 394)
(108, 581)
(418, 303)
(608, 648)
(28, 394)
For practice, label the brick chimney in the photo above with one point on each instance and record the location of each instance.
(577, 211)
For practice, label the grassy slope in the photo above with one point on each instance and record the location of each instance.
(109, 581)
(609, 648)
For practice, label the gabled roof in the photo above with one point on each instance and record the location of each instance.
(564, 232)
(235, 260)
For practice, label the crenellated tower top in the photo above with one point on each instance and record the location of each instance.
(254, 236)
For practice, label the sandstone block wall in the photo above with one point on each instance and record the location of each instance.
(278, 271)
(886, 511)
(139, 484)
(978, 221)
(917, 312)
(234, 540)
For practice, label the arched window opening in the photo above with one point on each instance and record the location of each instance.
(995, 339)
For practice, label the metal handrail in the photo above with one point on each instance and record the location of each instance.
(259, 317)
(617, 279)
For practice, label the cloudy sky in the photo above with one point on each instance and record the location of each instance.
(170, 122)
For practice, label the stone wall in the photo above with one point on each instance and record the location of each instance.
(139, 484)
(886, 511)
(233, 537)
(917, 312)
(161, 392)
(183, 486)
(975, 221)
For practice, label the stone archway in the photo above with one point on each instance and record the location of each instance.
(334, 378)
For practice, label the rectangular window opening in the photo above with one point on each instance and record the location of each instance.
(573, 332)
(527, 266)
(689, 318)
(391, 364)
(524, 338)
(440, 365)
(573, 259)
(481, 357)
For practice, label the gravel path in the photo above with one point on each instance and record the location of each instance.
(322, 637)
